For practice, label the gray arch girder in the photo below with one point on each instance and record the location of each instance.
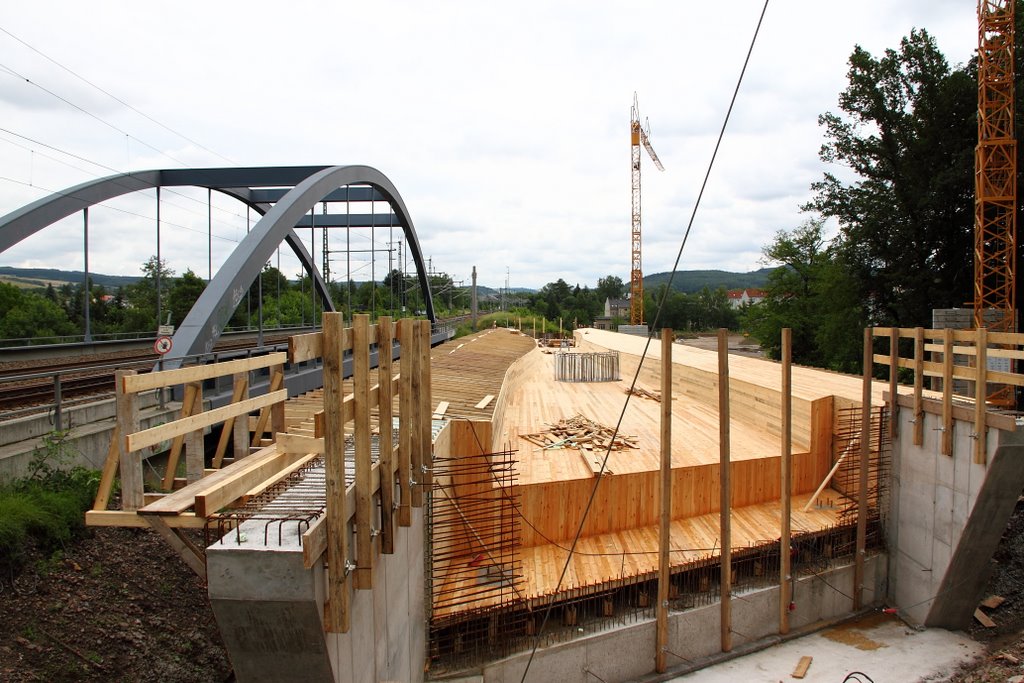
(213, 309)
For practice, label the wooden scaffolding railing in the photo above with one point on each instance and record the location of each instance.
(186, 433)
(979, 352)
(398, 478)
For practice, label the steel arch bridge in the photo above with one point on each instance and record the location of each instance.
(282, 195)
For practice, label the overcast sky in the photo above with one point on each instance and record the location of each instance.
(504, 126)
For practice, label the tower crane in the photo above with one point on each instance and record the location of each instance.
(995, 185)
(638, 135)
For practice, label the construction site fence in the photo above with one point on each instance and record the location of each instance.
(587, 367)
(472, 639)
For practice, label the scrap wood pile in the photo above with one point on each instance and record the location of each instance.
(582, 433)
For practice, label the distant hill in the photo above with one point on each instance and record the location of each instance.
(41, 277)
(692, 281)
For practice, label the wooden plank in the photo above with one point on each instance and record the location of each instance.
(185, 550)
(124, 518)
(894, 353)
(337, 607)
(188, 408)
(276, 383)
(918, 407)
(279, 476)
(862, 489)
(363, 575)
(983, 618)
(130, 464)
(314, 539)
(665, 518)
(240, 392)
(416, 414)
(426, 473)
(385, 336)
(305, 347)
(277, 409)
(980, 394)
(197, 373)
(440, 410)
(802, 666)
(109, 471)
(155, 435)
(239, 482)
(786, 480)
(296, 443)
(184, 498)
(405, 435)
(1004, 422)
(725, 490)
(195, 448)
(486, 400)
(947, 393)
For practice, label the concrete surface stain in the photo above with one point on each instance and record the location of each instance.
(853, 633)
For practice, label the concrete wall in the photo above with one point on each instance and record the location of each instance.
(627, 653)
(270, 610)
(947, 516)
(388, 638)
(89, 429)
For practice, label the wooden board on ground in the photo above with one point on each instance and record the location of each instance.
(802, 666)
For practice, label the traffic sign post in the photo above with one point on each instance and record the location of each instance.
(162, 345)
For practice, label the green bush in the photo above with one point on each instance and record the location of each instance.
(45, 509)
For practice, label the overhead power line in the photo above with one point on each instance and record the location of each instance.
(116, 98)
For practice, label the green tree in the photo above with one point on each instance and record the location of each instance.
(27, 315)
(183, 294)
(610, 287)
(907, 130)
(811, 294)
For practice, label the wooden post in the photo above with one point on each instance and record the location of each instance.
(665, 527)
(426, 473)
(109, 470)
(725, 466)
(416, 414)
(894, 367)
(865, 454)
(406, 441)
(337, 607)
(132, 494)
(385, 335)
(277, 410)
(980, 395)
(195, 450)
(233, 428)
(786, 501)
(947, 392)
(918, 386)
(361, 409)
(188, 408)
(240, 426)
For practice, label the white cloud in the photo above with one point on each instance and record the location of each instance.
(504, 127)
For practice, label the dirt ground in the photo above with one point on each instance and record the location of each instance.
(119, 605)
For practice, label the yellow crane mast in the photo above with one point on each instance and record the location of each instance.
(638, 135)
(995, 201)
(995, 181)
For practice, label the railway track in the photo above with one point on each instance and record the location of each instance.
(31, 386)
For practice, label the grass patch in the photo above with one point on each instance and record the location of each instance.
(46, 509)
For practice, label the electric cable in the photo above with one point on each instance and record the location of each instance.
(650, 336)
(115, 97)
